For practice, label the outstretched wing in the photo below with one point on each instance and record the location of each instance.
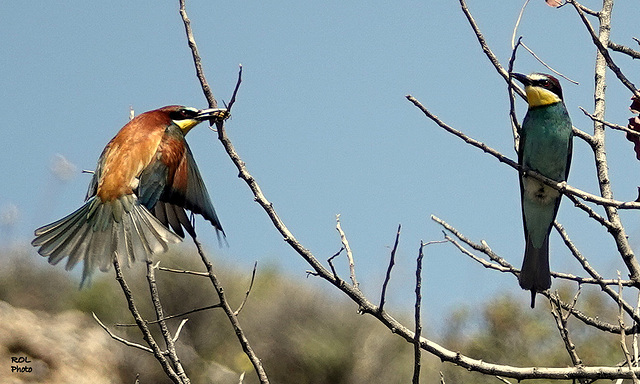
(172, 183)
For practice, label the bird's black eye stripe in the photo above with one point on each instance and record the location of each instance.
(544, 83)
(183, 114)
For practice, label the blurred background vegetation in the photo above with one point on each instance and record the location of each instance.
(303, 335)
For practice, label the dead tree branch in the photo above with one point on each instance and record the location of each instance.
(160, 320)
(347, 248)
(142, 325)
(392, 260)
(231, 315)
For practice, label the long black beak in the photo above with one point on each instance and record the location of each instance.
(212, 114)
(524, 79)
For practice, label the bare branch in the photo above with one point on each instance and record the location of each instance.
(418, 324)
(347, 248)
(231, 315)
(142, 325)
(603, 60)
(204, 274)
(623, 341)
(547, 65)
(118, 338)
(603, 39)
(246, 294)
(502, 265)
(333, 268)
(515, 30)
(176, 315)
(588, 320)
(182, 323)
(485, 47)
(235, 90)
(157, 305)
(591, 271)
(246, 347)
(561, 324)
(515, 126)
(481, 261)
(593, 214)
(624, 49)
(197, 61)
(610, 125)
(392, 259)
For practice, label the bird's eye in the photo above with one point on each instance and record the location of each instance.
(183, 114)
(546, 83)
(188, 113)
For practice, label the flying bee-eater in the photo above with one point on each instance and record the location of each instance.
(135, 205)
(546, 141)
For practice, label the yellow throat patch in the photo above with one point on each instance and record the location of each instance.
(186, 124)
(538, 96)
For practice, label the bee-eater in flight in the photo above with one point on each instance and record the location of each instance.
(135, 206)
(546, 141)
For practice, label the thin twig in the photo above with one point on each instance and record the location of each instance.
(515, 126)
(392, 259)
(635, 335)
(624, 49)
(142, 325)
(610, 125)
(235, 90)
(118, 338)
(483, 262)
(603, 39)
(485, 47)
(347, 248)
(592, 213)
(591, 271)
(623, 341)
(561, 324)
(244, 342)
(164, 329)
(586, 10)
(515, 28)
(208, 307)
(173, 270)
(502, 265)
(547, 65)
(182, 323)
(333, 268)
(197, 61)
(418, 324)
(246, 294)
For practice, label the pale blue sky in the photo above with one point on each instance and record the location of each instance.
(321, 121)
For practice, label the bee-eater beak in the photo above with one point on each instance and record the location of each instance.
(212, 114)
(524, 79)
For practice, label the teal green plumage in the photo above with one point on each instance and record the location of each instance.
(545, 147)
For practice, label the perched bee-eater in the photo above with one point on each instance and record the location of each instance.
(546, 141)
(145, 179)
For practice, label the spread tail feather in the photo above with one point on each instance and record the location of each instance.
(535, 275)
(98, 231)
